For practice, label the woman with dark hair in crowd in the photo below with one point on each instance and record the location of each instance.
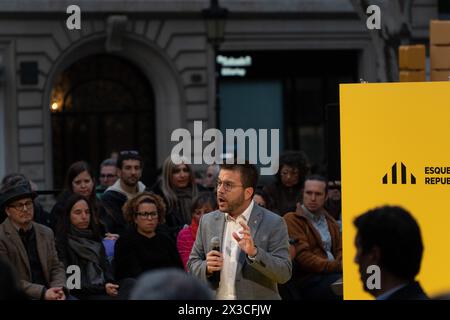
(143, 247)
(79, 243)
(80, 180)
(177, 187)
(262, 199)
(292, 170)
(205, 202)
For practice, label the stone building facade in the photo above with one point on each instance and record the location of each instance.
(166, 40)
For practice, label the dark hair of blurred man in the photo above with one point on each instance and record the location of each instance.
(389, 237)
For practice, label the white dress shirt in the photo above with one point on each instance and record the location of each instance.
(231, 251)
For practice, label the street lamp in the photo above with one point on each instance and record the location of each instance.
(215, 17)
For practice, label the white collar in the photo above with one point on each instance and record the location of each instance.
(245, 215)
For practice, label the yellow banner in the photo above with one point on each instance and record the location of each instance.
(395, 149)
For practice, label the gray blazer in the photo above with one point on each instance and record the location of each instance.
(257, 279)
(13, 251)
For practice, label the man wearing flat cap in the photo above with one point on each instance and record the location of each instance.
(29, 247)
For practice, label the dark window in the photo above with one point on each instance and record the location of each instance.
(103, 104)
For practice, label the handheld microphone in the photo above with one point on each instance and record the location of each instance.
(215, 244)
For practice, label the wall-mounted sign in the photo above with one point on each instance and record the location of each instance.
(233, 66)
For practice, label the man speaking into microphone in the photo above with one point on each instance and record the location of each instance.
(241, 250)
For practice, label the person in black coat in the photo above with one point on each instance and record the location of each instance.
(389, 238)
(79, 243)
(144, 247)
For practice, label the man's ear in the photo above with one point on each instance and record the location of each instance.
(249, 193)
(8, 211)
(119, 173)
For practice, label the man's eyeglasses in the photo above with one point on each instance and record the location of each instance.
(22, 206)
(334, 185)
(146, 215)
(107, 176)
(227, 186)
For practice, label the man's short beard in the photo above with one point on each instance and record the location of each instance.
(236, 204)
(129, 184)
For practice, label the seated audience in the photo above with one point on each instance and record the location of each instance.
(293, 168)
(40, 214)
(79, 243)
(212, 173)
(318, 252)
(142, 247)
(29, 247)
(205, 202)
(333, 204)
(108, 176)
(129, 170)
(262, 199)
(80, 180)
(177, 187)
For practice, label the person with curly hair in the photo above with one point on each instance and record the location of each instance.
(293, 169)
(143, 247)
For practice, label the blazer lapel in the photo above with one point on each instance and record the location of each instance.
(17, 242)
(253, 222)
(218, 228)
(42, 251)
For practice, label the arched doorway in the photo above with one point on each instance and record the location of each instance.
(100, 104)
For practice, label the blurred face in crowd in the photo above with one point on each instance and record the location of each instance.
(209, 179)
(131, 172)
(314, 195)
(200, 211)
(289, 176)
(232, 197)
(334, 190)
(259, 200)
(80, 216)
(83, 184)
(21, 212)
(146, 219)
(108, 176)
(180, 176)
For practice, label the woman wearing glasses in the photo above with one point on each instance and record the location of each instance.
(143, 247)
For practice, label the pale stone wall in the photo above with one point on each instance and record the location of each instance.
(166, 39)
